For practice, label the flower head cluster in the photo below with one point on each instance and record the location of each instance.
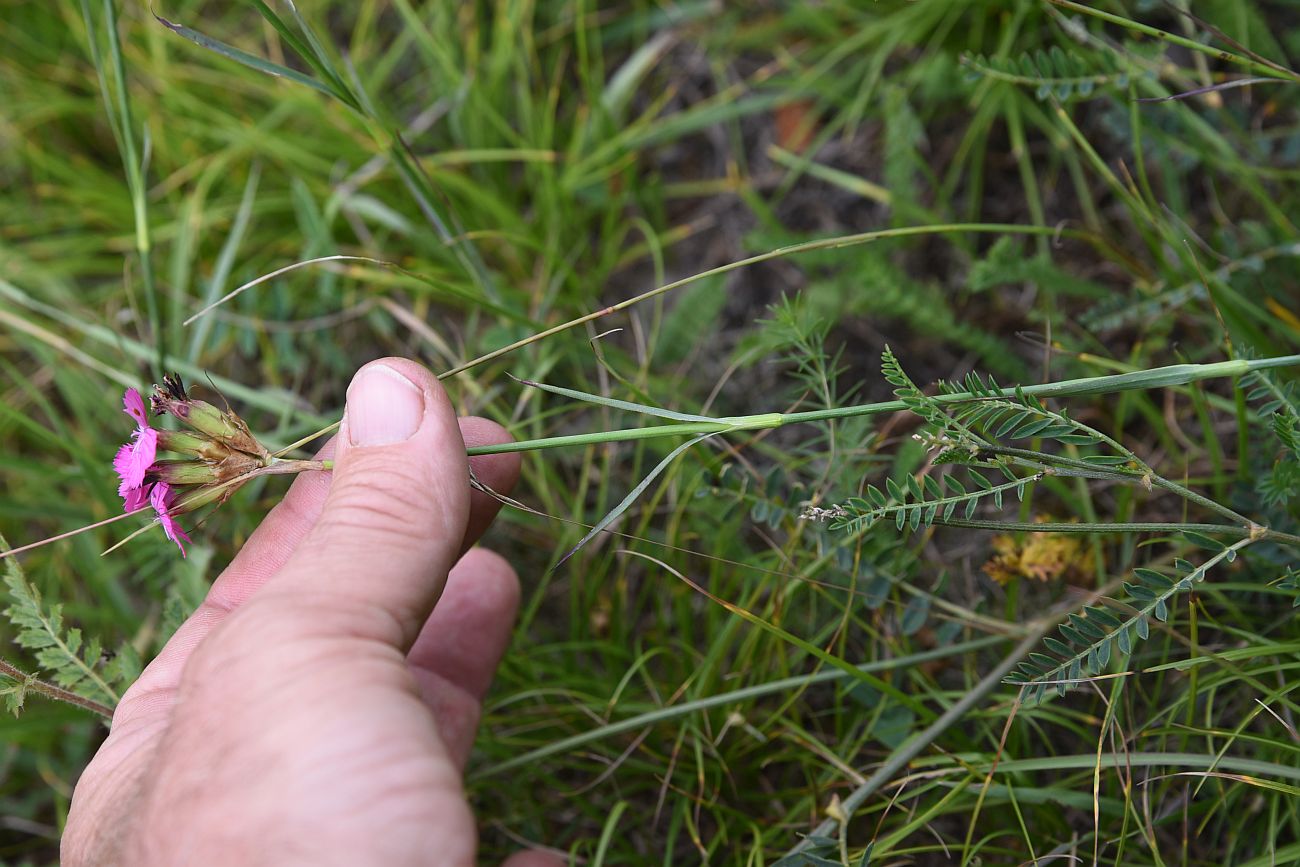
(218, 455)
(819, 514)
(1041, 556)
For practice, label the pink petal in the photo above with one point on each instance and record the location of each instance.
(161, 499)
(146, 447)
(175, 533)
(122, 464)
(133, 460)
(133, 403)
(134, 499)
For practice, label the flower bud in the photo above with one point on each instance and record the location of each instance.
(225, 428)
(183, 443)
(232, 466)
(182, 473)
(197, 498)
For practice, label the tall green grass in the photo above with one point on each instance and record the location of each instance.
(716, 679)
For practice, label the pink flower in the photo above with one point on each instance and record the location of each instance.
(133, 499)
(161, 498)
(133, 405)
(133, 460)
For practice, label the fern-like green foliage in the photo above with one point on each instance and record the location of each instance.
(1007, 262)
(862, 281)
(916, 503)
(1085, 645)
(904, 148)
(969, 421)
(989, 415)
(1123, 310)
(1055, 72)
(60, 652)
(1291, 581)
(966, 432)
(1280, 402)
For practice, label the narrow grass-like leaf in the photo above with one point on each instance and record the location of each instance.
(632, 497)
(226, 260)
(250, 60)
(628, 406)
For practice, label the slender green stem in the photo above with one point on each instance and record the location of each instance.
(1160, 377)
(638, 433)
(134, 163)
(1034, 459)
(1203, 502)
(1262, 533)
(1038, 461)
(1269, 69)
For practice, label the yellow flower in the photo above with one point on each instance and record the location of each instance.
(1040, 556)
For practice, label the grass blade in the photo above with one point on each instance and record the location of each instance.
(613, 403)
(252, 61)
(631, 497)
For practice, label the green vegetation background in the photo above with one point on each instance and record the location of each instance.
(565, 155)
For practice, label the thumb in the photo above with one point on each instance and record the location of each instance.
(395, 516)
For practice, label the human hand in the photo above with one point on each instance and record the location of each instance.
(313, 709)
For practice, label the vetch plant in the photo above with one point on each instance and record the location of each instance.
(978, 435)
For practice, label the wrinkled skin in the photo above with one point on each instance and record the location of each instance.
(318, 708)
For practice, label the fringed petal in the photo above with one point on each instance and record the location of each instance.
(132, 461)
(134, 499)
(161, 499)
(133, 404)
